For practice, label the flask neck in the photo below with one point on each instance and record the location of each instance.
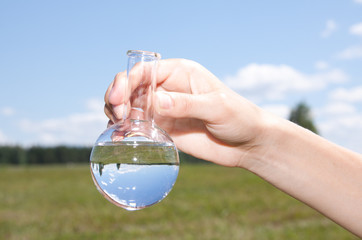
(141, 81)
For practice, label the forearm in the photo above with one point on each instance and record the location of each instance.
(313, 170)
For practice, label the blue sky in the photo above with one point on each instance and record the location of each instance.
(58, 58)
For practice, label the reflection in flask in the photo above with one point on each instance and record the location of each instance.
(135, 185)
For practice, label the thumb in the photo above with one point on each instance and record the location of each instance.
(182, 105)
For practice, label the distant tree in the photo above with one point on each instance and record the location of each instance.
(44, 155)
(302, 116)
(60, 155)
(12, 155)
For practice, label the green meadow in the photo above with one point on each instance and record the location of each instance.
(207, 202)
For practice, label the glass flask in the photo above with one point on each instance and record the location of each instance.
(134, 163)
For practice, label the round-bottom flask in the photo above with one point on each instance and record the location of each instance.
(134, 163)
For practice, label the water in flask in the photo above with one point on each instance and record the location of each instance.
(134, 175)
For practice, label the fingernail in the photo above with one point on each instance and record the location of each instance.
(164, 100)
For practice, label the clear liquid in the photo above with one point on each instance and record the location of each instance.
(134, 176)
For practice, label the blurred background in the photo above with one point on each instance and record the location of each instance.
(57, 59)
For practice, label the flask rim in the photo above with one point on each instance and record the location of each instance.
(143, 53)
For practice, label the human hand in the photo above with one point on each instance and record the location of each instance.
(204, 117)
(209, 121)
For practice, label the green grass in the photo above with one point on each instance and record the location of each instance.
(207, 202)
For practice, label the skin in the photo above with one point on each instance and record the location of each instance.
(209, 121)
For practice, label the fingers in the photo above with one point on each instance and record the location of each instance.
(165, 68)
(106, 95)
(108, 110)
(116, 93)
(125, 91)
(173, 75)
(110, 123)
(114, 97)
(206, 107)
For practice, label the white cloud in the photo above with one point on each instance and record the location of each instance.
(347, 95)
(356, 29)
(358, 1)
(273, 82)
(321, 65)
(347, 124)
(77, 128)
(7, 111)
(344, 129)
(330, 28)
(339, 108)
(341, 122)
(352, 52)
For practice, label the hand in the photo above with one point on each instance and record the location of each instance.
(211, 122)
(204, 117)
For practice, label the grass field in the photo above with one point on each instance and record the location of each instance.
(207, 202)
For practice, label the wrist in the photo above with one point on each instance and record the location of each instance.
(268, 133)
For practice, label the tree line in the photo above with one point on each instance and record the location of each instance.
(16, 155)
(43, 155)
